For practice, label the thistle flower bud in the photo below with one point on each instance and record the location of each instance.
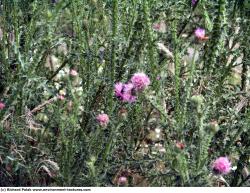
(123, 113)
(42, 117)
(49, 14)
(85, 23)
(2, 105)
(122, 180)
(198, 101)
(93, 2)
(213, 126)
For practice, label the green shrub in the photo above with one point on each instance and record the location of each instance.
(60, 61)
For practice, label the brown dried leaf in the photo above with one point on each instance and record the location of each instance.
(138, 180)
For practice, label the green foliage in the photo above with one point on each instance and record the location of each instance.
(195, 110)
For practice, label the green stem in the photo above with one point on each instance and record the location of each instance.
(200, 141)
(109, 144)
(218, 35)
(177, 77)
(189, 86)
(150, 44)
(113, 51)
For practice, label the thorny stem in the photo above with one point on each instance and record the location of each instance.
(113, 51)
(177, 77)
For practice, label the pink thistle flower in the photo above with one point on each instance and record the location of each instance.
(119, 89)
(127, 93)
(200, 33)
(221, 165)
(122, 180)
(156, 26)
(180, 145)
(159, 27)
(140, 81)
(124, 92)
(61, 97)
(73, 72)
(2, 105)
(103, 119)
(194, 2)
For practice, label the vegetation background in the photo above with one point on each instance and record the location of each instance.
(195, 110)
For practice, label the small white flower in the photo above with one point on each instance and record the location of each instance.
(158, 131)
(162, 150)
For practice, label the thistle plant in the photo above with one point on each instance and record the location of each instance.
(124, 93)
